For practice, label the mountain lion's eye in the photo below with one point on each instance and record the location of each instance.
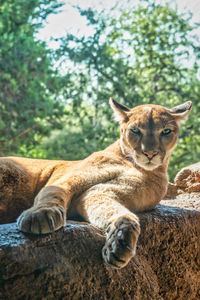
(136, 130)
(166, 131)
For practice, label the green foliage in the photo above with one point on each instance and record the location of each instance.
(139, 57)
(29, 85)
(80, 137)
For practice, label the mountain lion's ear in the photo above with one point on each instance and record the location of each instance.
(120, 111)
(181, 111)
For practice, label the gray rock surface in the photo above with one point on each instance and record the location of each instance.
(67, 264)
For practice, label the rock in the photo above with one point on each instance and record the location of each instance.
(68, 265)
(188, 179)
(172, 191)
(185, 201)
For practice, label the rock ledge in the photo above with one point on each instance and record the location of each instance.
(67, 264)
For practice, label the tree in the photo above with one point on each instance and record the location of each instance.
(29, 85)
(137, 58)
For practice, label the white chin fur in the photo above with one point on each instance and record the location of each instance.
(144, 163)
(149, 167)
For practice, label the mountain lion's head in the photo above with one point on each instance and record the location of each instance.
(149, 132)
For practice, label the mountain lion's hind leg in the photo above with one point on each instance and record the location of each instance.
(47, 214)
(122, 228)
(15, 190)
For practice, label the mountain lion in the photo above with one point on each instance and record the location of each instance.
(105, 189)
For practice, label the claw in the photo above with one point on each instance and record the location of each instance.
(108, 229)
(120, 243)
(41, 220)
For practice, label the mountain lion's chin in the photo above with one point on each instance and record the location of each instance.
(149, 166)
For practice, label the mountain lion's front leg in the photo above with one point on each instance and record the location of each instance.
(48, 212)
(121, 226)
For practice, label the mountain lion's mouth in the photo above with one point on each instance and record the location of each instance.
(149, 165)
(144, 163)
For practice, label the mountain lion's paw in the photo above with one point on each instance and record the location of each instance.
(121, 241)
(41, 220)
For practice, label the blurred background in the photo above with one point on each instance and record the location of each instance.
(60, 61)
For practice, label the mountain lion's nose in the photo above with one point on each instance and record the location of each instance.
(150, 154)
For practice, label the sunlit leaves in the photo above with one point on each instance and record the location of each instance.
(139, 57)
(28, 83)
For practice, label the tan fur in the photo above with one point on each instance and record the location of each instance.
(106, 189)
